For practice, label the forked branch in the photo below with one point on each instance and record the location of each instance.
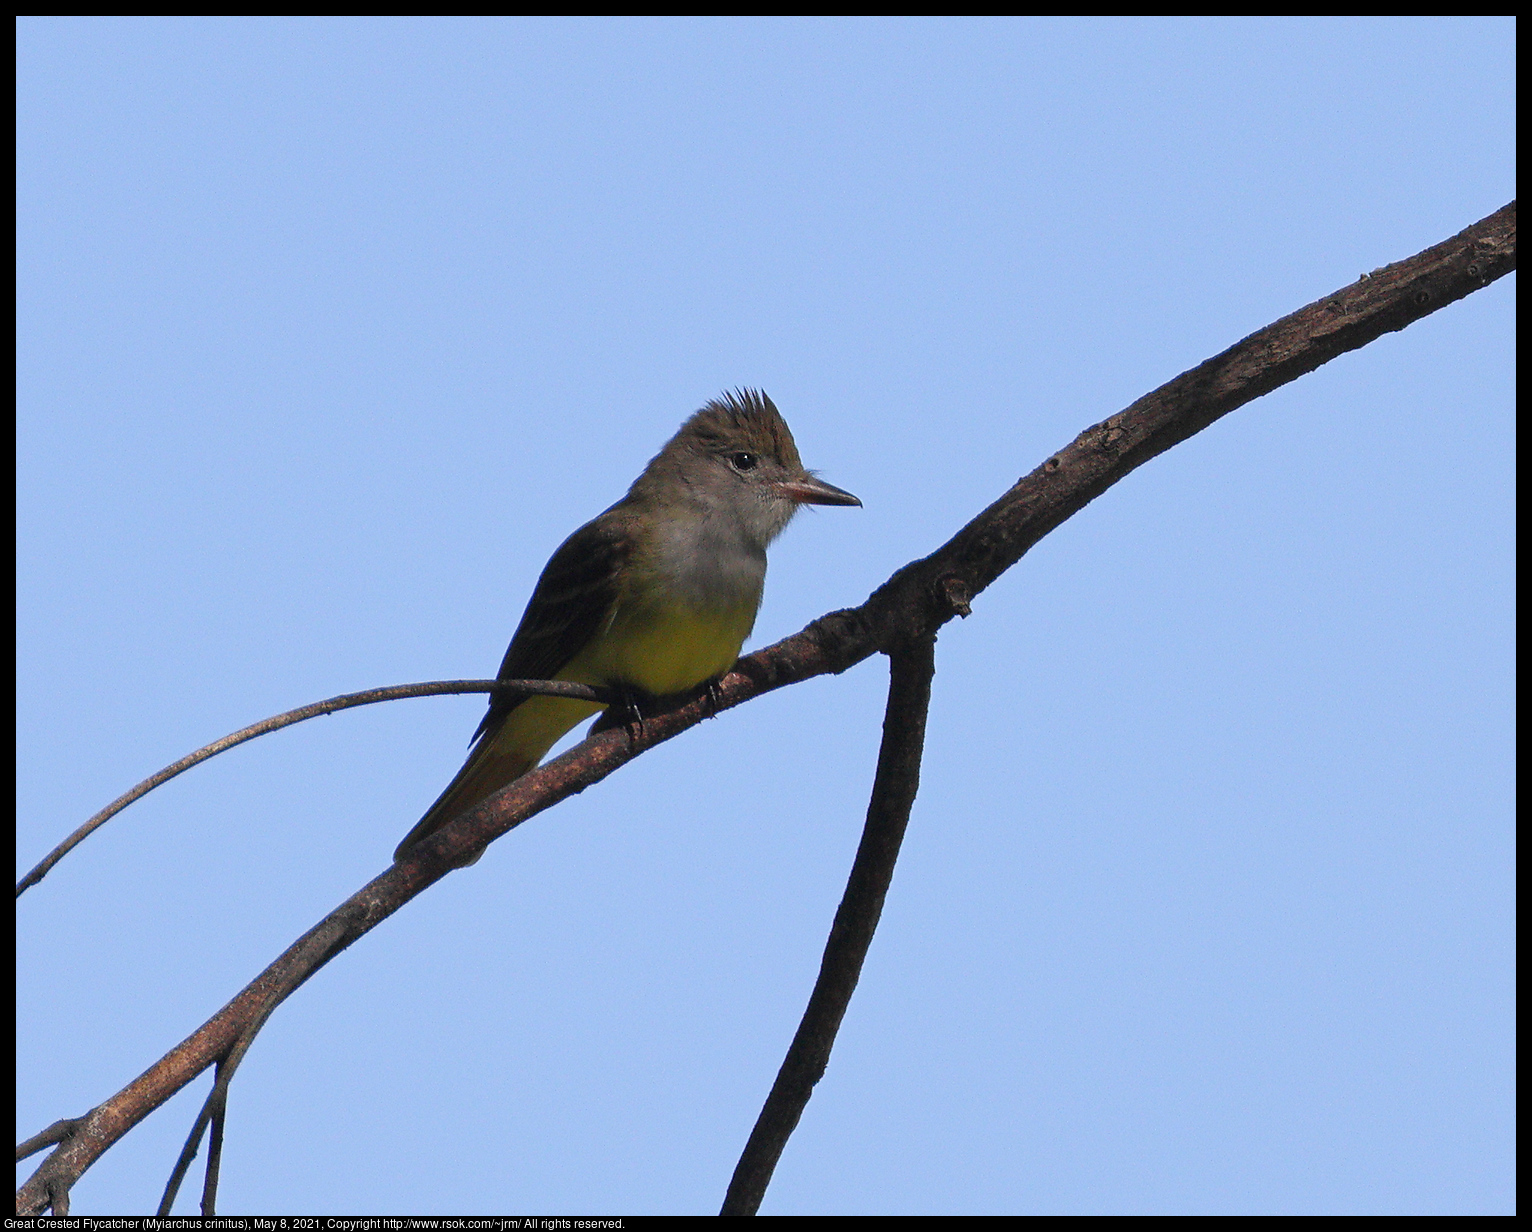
(905, 611)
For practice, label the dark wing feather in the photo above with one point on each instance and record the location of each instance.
(572, 598)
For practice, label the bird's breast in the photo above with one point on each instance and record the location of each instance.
(686, 608)
(708, 563)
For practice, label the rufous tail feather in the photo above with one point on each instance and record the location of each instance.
(485, 772)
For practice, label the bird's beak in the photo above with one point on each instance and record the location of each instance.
(811, 491)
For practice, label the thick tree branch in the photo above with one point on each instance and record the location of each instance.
(910, 606)
(928, 592)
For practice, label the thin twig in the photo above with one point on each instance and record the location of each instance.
(54, 1134)
(432, 688)
(215, 1148)
(287, 975)
(912, 604)
(186, 1157)
(888, 812)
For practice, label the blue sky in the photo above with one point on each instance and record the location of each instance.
(329, 332)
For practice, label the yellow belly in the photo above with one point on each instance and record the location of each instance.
(657, 653)
(665, 651)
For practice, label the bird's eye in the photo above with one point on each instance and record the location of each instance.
(743, 461)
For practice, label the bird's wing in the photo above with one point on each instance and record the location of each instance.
(574, 596)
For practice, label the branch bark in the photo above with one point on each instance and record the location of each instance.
(912, 605)
(345, 701)
(888, 813)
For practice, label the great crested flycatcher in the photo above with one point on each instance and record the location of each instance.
(656, 595)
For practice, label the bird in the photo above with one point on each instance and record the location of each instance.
(654, 596)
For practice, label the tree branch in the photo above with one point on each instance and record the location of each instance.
(345, 701)
(888, 812)
(909, 607)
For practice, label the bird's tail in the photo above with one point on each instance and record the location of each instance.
(510, 744)
(487, 770)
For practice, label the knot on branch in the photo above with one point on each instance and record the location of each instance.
(1487, 261)
(1110, 435)
(957, 593)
